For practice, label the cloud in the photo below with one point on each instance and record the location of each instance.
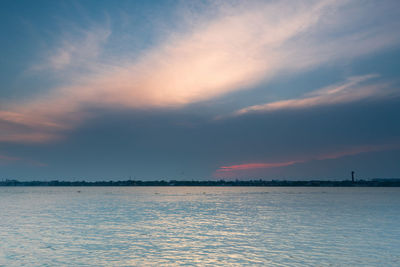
(239, 169)
(7, 158)
(353, 89)
(79, 50)
(232, 49)
(37, 123)
(249, 166)
(4, 159)
(358, 150)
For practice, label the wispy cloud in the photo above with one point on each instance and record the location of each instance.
(80, 50)
(241, 45)
(250, 166)
(352, 90)
(4, 159)
(239, 169)
(7, 158)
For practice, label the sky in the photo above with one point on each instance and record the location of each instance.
(199, 90)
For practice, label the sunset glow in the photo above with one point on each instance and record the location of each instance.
(180, 90)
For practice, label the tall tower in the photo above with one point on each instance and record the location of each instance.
(352, 176)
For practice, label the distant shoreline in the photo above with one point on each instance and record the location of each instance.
(264, 183)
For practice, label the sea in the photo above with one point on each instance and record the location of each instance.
(199, 226)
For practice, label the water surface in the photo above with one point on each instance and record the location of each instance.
(214, 226)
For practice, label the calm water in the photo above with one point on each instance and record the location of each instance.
(214, 226)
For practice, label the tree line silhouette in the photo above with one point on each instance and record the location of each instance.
(315, 183)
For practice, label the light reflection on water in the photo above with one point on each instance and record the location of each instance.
(215, 226)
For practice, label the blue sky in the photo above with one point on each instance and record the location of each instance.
(199, 90)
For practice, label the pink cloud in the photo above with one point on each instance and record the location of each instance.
(358, 150)
(249, 166)
(350, 91)
(243, 169)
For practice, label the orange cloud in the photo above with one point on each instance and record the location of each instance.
(242, 45)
